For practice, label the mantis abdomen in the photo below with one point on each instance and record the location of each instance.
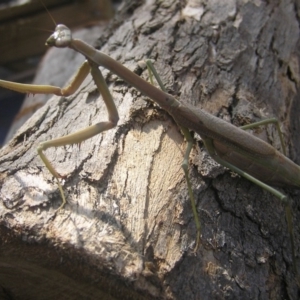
(274, 168)
(250, 154)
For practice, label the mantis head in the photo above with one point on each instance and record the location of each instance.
(61, 37)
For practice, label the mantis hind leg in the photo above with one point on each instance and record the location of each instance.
(185, 162)
(266, 122)
(282, 197)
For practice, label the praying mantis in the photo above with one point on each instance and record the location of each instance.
(227, 144)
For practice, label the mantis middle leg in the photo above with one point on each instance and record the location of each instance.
(211, 150)
(185, 162)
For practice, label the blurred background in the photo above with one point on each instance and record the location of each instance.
(24, 27)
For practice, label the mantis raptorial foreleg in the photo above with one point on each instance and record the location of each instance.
(76, 81)
(88, 132)
(185, 162)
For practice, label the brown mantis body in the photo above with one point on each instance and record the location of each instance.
(229, 145)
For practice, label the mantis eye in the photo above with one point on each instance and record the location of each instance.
(61, 37)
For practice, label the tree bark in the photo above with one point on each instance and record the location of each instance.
(128, 228)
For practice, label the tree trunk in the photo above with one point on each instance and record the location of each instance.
(128, 228)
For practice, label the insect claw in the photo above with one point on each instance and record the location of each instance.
(197, 243)
(78, 145)
(61, 176)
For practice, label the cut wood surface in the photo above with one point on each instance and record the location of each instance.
(128, 229)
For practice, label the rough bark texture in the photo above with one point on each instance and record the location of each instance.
(128, 228)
